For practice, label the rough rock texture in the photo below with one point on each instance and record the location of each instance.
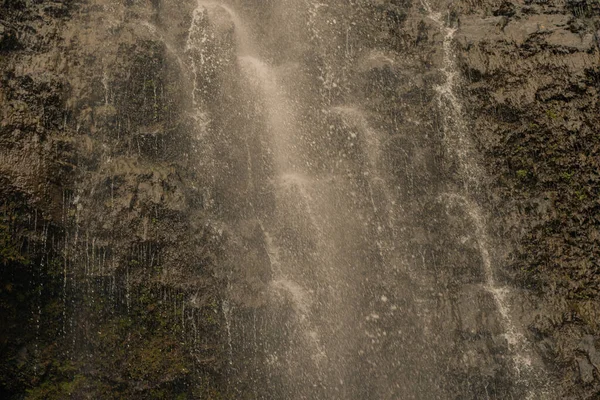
(108, 252)
(424, 323)
(118, 167)
(531, 87)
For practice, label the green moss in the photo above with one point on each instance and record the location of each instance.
(550, 113)
(580, 195)
(567, 175)
(60, 383)
(55, 267)
(522, 174)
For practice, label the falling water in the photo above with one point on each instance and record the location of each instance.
(170, 49)
(106, 84)
(279, 111)
(261, 199)
(471, 173)
(383, 206)
(195, 38)
(346, 307)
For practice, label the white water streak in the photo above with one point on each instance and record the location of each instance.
(194, 42)
(370, 137)
(456, 138)
(154, 31)
(514, 338)
(106, 84)
(281, 122)
(243, 37)
(226, 308)
(459, 142)
(301, 299)
(280, 113)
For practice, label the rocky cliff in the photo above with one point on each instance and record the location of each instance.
(108, 249)
(128, 227)
(530, 82)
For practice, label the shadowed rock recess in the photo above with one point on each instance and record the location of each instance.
(298, 199)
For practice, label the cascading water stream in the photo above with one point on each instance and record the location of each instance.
(355, 118)
(471, 174)
(350, 293)
(244, 44)
(279, 112)
(154, 31)
(301, 281)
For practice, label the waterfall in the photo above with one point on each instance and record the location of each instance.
(300, 199)
(279, 111)
(333, 279)
(458, 142)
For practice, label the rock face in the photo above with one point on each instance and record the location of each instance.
(108, 249)
(440, 242)
(530, 82)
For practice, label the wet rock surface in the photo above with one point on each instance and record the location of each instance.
(440, 242)
(108, 250)
(529, 79)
